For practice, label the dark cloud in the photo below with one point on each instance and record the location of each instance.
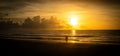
(17, 4)
(12, 5)
(7, 6)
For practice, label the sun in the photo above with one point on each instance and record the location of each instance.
(73, 21)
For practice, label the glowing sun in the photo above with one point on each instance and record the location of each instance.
(73, 21)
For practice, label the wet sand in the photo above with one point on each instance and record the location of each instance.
(40, 48)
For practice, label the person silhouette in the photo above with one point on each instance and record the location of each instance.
(66, 38)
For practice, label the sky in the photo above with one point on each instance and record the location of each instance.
(93, 14)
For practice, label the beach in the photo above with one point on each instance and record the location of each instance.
(41, 48)
(59, 27)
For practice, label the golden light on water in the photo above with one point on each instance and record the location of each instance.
(73, 33)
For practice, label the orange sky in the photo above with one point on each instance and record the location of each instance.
(92, 14)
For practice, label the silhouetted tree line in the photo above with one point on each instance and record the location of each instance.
(35, 22)
(6, 23)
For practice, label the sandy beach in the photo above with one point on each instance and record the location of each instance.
(41, 48)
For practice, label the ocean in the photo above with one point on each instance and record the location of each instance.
(73, 36)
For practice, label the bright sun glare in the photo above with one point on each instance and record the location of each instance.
(74, 21)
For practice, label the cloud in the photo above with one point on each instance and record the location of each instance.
(17, 4)
(13, 5)
(21, 6)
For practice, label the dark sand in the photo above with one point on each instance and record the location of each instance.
(11, 47)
